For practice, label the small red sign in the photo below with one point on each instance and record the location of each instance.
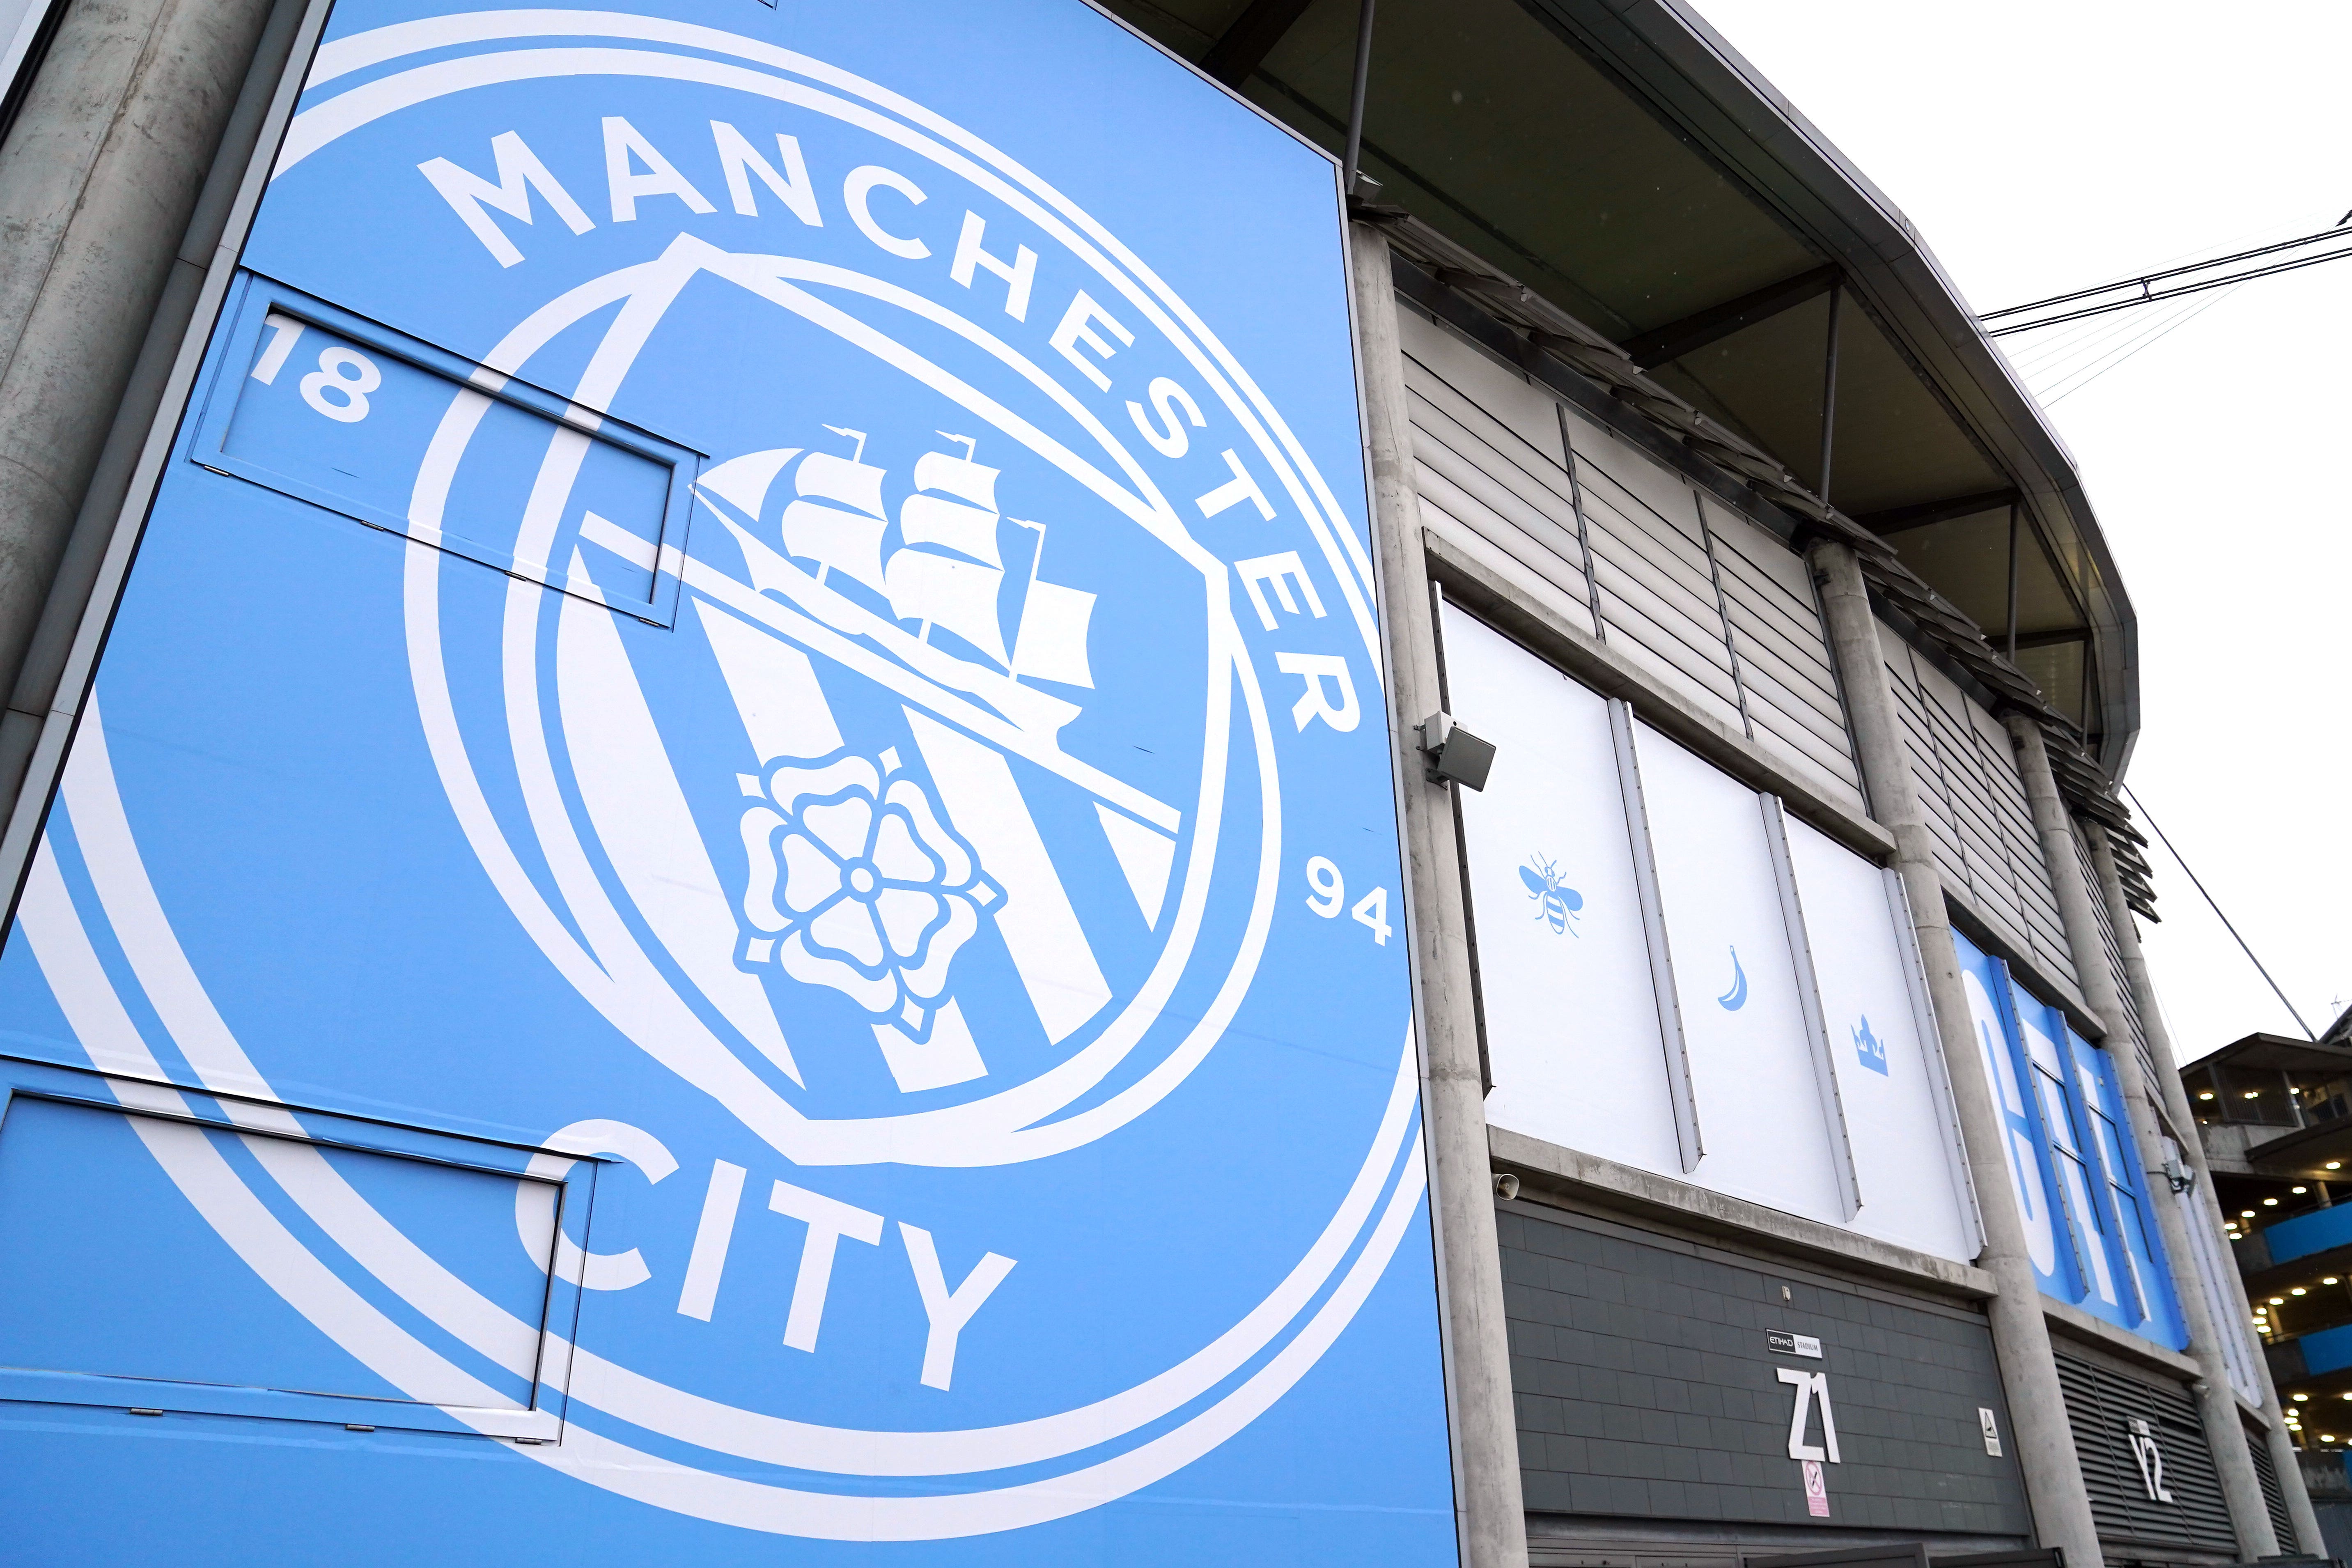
(1817, 1492)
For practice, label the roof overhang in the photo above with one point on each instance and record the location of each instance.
(1709, 88)
(1620, 159)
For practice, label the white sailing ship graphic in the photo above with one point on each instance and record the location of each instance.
(946, 570)
(855, 881)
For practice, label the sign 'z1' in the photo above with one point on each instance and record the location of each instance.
(773, 605)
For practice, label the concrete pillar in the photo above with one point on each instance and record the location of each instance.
(2037, 1405)
(2216, 1403)
(98, 179)
(1486, 1428)
(2175, 1100)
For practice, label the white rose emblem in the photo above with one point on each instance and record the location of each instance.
(856, 884)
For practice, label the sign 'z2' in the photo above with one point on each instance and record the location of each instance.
(778, 601)
(2150, 1458)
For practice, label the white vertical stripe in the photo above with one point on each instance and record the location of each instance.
(1041, 930)
(632, 793)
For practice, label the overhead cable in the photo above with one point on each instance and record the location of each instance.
(2075, 380)
(2287, 255)
(2216, 908)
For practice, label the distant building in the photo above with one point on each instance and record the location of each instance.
(2274, 1114)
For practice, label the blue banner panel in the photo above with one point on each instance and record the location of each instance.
(2127, 1205)
(730, 890)
(2032, 1184)
(2083, 1199)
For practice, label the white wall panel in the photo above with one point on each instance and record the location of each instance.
(1752, 1063)
(1569, 976)
(1572, 1032)
(1890, 1078)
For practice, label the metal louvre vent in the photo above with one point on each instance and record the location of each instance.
(2101, 1407)
(2273, 1495)
(2115, 956)
(1708, 603)
(1790, 681)
(1986, 844)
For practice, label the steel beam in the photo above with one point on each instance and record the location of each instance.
(2050, 639)
(1895, 519)
(1242, 48)
(1695, 332)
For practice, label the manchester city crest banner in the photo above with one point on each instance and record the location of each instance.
(728, 888)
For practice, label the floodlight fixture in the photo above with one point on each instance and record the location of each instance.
(1456, 755)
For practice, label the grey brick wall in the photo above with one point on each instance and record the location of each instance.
(1645, 1388)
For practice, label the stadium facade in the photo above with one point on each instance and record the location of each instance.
(634, 929)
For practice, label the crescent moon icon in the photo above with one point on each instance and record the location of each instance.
(1736, 998)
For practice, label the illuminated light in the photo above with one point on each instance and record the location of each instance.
(2269, 1203)
(2334, 1164)
(2205, 1094)
(2296, 1292)
(2278, 1300)
(2331, 1279)
(2246, 1213)
(2253, 1094)
(2301, 1397)
(2298, 1189)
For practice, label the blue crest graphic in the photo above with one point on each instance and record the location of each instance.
(1869, 1047)
(734, 646)
(1557, 903)
(1736, 998)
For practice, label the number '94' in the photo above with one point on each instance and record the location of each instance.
(1330, 891)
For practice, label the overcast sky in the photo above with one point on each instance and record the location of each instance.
(2044, 145)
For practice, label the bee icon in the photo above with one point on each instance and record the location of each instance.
(1555, 902)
